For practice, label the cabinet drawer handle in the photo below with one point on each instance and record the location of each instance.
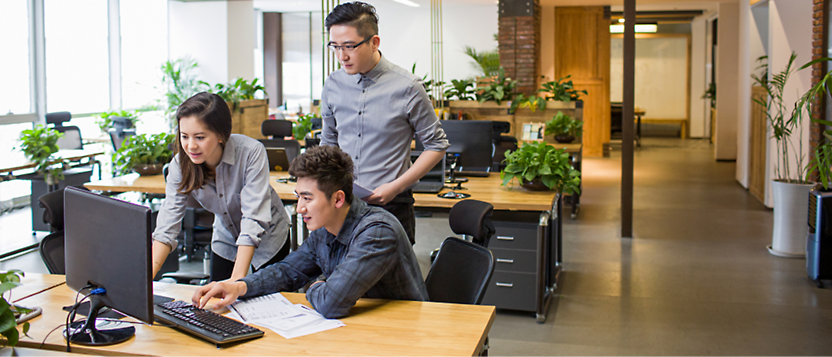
(509, 261)
(507, 285)
(504, 238)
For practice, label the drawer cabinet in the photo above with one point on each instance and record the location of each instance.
(516, 291)
(517, 250)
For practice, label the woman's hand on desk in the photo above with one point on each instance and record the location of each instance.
(227, 290)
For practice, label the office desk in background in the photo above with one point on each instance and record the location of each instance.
(17, 162)
(374, 327)
(527, 244)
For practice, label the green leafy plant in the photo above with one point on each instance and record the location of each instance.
(562, 124)
(561, 90)
(782, 122)
(237, 91)
(38, 146)
(499, 90)
(822, 160)
(8, 313)
(303, 126)
(105, 119)
(180, 83)
(429, 85)
(143, 149)
(460, 90)
(488, 62)
(532, 102)
(541, 161)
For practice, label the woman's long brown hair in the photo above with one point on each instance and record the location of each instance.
(212, 111)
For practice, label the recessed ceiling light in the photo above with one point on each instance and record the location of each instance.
(407, 2)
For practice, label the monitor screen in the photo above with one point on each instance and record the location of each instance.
(472, 140)
(108, 245)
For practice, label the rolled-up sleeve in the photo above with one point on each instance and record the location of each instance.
(255, 199)
(423, 119)
(368, 259)
(290, 274)
(169, 220)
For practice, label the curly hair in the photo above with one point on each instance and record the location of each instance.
(331, 167)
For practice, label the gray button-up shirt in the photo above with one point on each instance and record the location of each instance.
(247, 210)
(370, 257)
(373, 117)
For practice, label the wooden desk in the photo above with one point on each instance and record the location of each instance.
(374, 327)
(532, 218)
(34, 284)
(16, 161)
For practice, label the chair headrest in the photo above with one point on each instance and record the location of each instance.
(57, 118)
(471, 217)
(53, 208)
(276, 128)
(500, 126)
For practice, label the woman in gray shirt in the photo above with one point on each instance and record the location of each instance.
(229, 176)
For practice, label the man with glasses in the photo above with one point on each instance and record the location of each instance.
(372, 108)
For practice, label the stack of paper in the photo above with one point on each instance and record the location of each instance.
(276, 313)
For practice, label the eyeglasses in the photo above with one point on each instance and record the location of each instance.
(347, 48)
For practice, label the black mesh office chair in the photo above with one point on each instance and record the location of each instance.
(278, 129)
(472, 218)
(460, 273)
(51, 247)
(196, 233)
(501, 144)
(72, 137)
(122, 128)
(315, 137)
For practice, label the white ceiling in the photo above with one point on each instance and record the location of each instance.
(617, 5)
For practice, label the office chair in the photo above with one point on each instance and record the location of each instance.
(616, 121)
(460, 273)
(471, 217)
(122, 128)
(72, 137)
(197, 231)
(502, 143)
(278, 129)
(51, 247)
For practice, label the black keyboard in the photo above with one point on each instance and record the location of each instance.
(204, 324)
(428, 187)
(471, 173)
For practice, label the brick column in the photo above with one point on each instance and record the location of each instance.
(819, 45)
(519, 42)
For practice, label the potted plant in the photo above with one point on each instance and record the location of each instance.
(247, 112)
(144, 154)
(538, 166)
(488, 62)
(789, 188)
(461, 89)
(106, 120)
(560, 90)
(180, 83)
(38, 146)
(564, 128)
(10, 315)
(303, 126)
(501, 89)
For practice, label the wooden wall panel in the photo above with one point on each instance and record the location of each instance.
(758, 146)
(582, 49)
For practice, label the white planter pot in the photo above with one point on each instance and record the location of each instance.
(791, 207)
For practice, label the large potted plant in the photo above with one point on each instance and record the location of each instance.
(180, 83)
(564, 128)
(39, 145)
(144, 154)
(107, 120)
(538, 166)
(789, 188)
(247, 112)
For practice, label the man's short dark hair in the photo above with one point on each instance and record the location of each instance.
(329, 165)
(361, 16)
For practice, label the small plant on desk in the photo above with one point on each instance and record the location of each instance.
(539, 166)
(140, 151)
(10, 313)
(564, 128)
(38, 145)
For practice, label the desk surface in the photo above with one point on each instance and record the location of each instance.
(16, 161)
(486, 189)
(374, 327)
(32, 284)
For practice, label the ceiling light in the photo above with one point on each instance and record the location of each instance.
(640, 28)
(407, 2)
(620, 20)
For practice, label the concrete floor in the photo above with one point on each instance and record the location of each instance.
(695, 280)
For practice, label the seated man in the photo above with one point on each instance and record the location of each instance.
(362, 251)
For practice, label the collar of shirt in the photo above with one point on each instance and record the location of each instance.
(358, 209)
(376, 72)
(229, 152)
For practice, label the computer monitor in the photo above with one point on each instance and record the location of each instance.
(472, 140)
(108, 246)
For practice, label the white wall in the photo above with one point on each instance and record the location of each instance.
(727, 91)
(699, 108)
(790, 29)
(241, 36)
(744, 93)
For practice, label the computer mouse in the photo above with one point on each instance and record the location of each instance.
(449, 194)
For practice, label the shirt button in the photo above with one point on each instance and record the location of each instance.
(225, 213)
(363, 90)
(356, 157)
(359, 113)
(359, 135)
(220, 195)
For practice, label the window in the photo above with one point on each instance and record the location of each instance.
(77, 58)
(143, 50)
(15, 74)
(302, 46)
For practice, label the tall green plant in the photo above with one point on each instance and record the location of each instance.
(38, 145)
(822, 160)
(487, 62)
(782, 121)
(180, 83)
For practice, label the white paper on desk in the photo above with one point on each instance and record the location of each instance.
(262, 307)
(318, 324)
(359, 191)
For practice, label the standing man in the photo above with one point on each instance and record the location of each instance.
(372, 108)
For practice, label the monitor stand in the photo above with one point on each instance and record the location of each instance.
(101, 332)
